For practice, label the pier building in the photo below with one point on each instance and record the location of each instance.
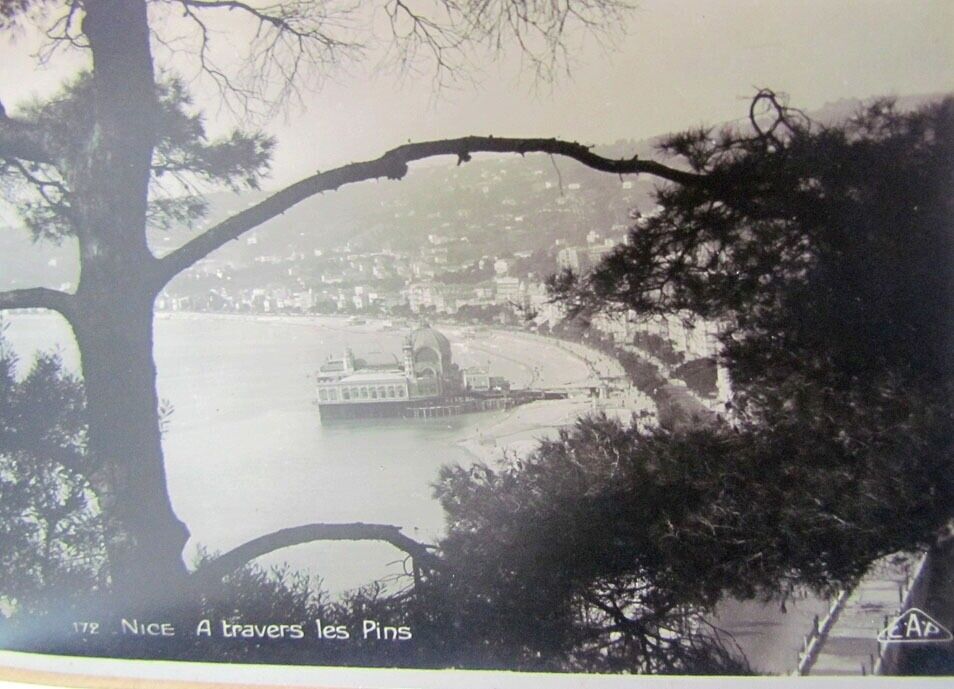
(381, 386)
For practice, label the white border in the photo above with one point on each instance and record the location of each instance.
(86, 671)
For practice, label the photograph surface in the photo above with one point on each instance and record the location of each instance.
(591, 336)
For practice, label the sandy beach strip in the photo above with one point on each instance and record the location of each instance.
(520, 430)
(546, 361)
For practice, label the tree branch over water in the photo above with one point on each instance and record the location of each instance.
(394, 165)
(284, 538)
(37, 298)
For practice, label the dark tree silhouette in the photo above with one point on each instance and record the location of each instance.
(590, 553)
(50, 532)
(826, 253)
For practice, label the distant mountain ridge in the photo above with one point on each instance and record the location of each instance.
(502, 203)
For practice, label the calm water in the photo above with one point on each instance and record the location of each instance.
(246, 453)
(245, 450)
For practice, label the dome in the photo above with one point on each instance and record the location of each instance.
(429, 344)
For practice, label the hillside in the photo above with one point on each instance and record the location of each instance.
(501, 205)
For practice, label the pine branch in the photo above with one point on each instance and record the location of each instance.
(23, 141)
(37, 298)
(393, 165)
(223, 565)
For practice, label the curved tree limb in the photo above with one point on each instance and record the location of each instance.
(227, 563)
(393, 165)
(37, 298)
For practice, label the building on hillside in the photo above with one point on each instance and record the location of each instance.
(508, 290)
(573, 258)
(423, 295)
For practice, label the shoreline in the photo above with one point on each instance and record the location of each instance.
(601, 365)
(486, 438)
(519, 430)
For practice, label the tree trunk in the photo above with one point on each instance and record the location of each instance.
(144, 538)
(109, 177)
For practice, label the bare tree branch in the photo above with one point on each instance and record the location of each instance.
(773, 105)
(43, 185)
(223, 565)
(540, 29)
(37, 298)
(66, 31)
(289, 44)
(278, 16)
(393, 165)
(443, 39)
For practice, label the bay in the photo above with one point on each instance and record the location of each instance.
(246, 453)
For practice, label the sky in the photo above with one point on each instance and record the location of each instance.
(674, 64)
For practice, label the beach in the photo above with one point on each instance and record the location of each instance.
(518, 431)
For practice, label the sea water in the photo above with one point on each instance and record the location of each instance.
(246, 453)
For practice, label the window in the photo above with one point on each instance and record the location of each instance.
(332, 395)
(364, 393)
(382, 392)
(400, 391)
(322, 395)
(374, 393)
(391, 391)
(345, 393)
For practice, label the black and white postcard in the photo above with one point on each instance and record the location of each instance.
(592, 338)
